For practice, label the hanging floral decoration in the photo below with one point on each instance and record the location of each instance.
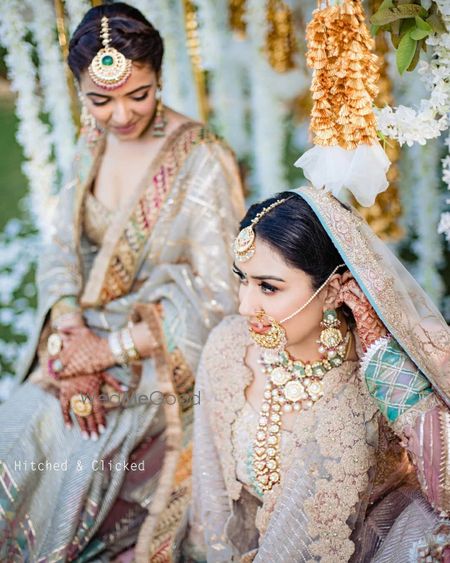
(344, 85)
(444, 223)
(236, 17)
(281, 43)
(344, 79)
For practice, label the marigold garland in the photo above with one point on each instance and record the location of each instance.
(281, 44)
(345, 74)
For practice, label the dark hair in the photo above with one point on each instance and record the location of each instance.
(293, 230)
(131, 34)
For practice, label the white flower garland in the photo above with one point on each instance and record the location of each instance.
(444, 223)
(269, 90)
(52, 73)
(409, 125)
(425, 161)
(32, 134)
(224, 56)
(18, 251)
(76, 10)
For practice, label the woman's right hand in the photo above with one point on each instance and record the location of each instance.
(83, 353)
(368, 324)
(85, 391)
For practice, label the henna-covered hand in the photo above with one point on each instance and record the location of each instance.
(368, 324)
(83, 353)
(89, 389)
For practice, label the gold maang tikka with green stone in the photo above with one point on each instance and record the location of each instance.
(109, 68)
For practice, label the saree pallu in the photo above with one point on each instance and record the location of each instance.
(165, 260)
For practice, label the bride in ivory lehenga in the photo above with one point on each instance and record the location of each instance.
(323, 430)
(137, 271)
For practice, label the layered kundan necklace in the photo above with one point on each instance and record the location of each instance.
(292, 385)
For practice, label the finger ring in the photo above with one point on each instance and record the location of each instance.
(54, 344)
(57, 365)
(81, 405)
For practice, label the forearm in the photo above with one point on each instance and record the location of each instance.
(143, 339)
(66, 313)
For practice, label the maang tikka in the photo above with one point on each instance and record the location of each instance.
(244, 244)
(109, 69)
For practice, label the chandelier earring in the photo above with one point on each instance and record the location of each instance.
(89, 125)
(160, 121)
(332, 344)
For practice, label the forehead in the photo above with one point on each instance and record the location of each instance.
(141, 74)
(265, 260)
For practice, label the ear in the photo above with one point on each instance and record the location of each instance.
(332, 299)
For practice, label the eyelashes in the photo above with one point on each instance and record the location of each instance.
(99, 104)
(266, 288)
(141, 98)
(135, 99)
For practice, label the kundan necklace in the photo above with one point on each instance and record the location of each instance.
(292, 385)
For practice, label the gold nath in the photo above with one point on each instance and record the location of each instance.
(109, 69)
(244, 244)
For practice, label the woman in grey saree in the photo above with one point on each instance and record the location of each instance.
(364, 468)
(163, 260)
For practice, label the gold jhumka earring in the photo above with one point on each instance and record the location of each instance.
(160, 121)
(109, 69)
(89, 125)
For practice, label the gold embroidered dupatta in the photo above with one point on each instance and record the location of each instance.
(405, 309)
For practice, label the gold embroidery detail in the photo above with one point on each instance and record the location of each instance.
(444, 466)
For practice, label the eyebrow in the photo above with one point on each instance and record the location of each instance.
(260, 278)
(128, 94)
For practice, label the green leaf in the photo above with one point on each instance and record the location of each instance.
(415, 60)
(404, 11)
(436, 23)
(423, 25)
(395, 33)
(418, 34)
(405, 52)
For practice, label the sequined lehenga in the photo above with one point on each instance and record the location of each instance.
(163, 258)
(364, 472)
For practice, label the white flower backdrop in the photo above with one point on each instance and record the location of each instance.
(250, 105)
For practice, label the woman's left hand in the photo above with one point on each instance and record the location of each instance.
(83, 353)
(83, 393)
(368, 324)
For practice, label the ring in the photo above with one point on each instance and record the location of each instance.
(81, 405)
(54, 344)
(57, 365)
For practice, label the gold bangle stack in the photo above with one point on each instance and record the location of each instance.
(128, 345)
(123, 347)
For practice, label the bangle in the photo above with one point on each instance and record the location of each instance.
(128, 345)
(67, 320)
(116, 348)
